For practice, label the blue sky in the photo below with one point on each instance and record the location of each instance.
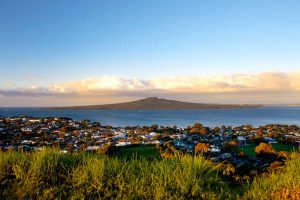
(48, 42)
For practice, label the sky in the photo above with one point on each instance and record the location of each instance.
(69, 52)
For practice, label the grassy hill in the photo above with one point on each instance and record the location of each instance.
(51, 175)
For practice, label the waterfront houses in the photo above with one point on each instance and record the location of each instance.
(31, 133)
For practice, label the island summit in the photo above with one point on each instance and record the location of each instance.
(154, 103)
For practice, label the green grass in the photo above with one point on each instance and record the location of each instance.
(250, 149)
(141, 151)
(282, 184)
(284, 147)
(51, 175)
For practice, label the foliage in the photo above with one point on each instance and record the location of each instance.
(265, 150)
(289, 140)
(202, 148)
(198, 129)
(167, 149)
(230, 146)
(281, 148)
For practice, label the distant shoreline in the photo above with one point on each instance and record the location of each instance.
(154, 103)
(250, 106)
(181, 118)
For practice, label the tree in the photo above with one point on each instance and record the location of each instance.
(96, 124)
(167, 149)
(67, 129)
(157, 137)
(217, 129)
(265, 150)
(289, 140)
(202, 148)
(272, 134)
(86, 122)
(230, 146)
(198, 129)
(260, 131)
(197, 126)
(203, 131)
(193, 131)
(154, 127)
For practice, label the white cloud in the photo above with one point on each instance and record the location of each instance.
(273, 81)
(268, 87)
(103, 83)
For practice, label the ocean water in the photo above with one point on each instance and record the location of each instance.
(180, 118)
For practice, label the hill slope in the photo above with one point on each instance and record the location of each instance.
(154, 103)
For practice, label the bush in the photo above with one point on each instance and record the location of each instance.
(265, 151)
(230, 146)
(202, 148)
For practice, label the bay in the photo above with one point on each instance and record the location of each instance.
(181, 118)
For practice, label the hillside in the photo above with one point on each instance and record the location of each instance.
(154, 103)
(297, 105)
(49, 174)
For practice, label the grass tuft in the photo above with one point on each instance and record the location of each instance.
(51, 175)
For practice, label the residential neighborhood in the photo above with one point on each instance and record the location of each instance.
(28, 133)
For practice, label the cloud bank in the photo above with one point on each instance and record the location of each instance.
(268, 87)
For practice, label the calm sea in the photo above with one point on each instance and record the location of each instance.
(180, 118)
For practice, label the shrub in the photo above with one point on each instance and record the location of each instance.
(265, 150)
(230, 146)
(202, 148)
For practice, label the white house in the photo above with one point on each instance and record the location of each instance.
(241, 140)
(92, 148)
(35, 120)
(270, 140)
(214, 148)
(153, 134)
(123, 143)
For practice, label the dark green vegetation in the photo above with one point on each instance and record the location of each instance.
(250, 149)
(154, 103)
(51, 175)
(138, 151)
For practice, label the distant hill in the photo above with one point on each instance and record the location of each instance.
(297, 105)
(292, 105)
(154, 103)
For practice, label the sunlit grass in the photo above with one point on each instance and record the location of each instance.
(282, 184)
(51, 175)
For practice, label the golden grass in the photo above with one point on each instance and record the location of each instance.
(51, 175)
